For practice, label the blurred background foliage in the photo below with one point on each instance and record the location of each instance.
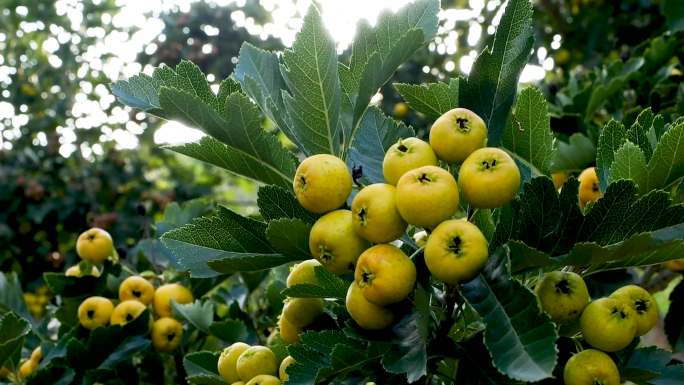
(71, 157)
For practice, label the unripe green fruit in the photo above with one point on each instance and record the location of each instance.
(301, 312)
(591, 367)
(642, 303)
(256, 360)
(562, 295)
(303, 272)
(608, 324)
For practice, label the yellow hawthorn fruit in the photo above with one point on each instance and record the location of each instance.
(559, 178)
(165, 293)
(456, 134)
(591, 367)
(562, 295)
(489, 178)
(282, 371)
(588, 187)
(608, 324)
(376, 217)
(126, 311)
(301, 312)
(256, 360)
(675, 265)
(427, 196)
(167, 334)
(334, 243)
(75, 271)
(27, 368)
(136, 288)
(288, 331)
(366, 314)
(227, 362)
(404, 156)
(385, 274)
(37, 354)
(456, 251)
(322, 183)
(264, 379)
(400, 110)
(642, 303)
(303, 272)
(94, 245)
(95, 312)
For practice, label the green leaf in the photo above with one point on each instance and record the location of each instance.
(574, 155)
(431, 99)
(528, 132)
(327, 285)
(493, 81)
(240, 145)
(467, 325)
(612, 137)
(520, 338)
(318, 353)
(125, 350)
(524, 257)
(638, 250)
(275, 202)
(60, 284)
(225, 240)
(199, 314)
(289, 237)
(673, 10)
(201, 368)
(229, 331)
(176, 215)
(409, 355)
(629, 163)
(375, 135)
(13, 330)
(11, 295)
(140, 91)
(602, 91)
(667, 163)
(313, 101)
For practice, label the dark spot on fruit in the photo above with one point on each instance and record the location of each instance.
(595, 187)
(402, 148)
(362, 215)
(170, 336)
(91, 237)
(136, 293)
(302, 180)
(619, 312)
(563, 286)
(641, 306)
(90, 313)
(423, 178)
(462, 124)
(129, 317)
(455, 245)
(493, 162)
(366, 276)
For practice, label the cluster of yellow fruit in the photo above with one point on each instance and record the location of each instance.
(417, 192)
(607, 324)
(241, 364)
(37, 301)
(31, 364)
(135, 295)
(299, 313)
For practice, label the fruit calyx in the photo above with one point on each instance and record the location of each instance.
(619, 313)
(362, 214)
(367, 278)
(424, 178)
(462, 124)
(455, 245)
(90, 314)
(641, 306)
(563, 286)
(486, 165)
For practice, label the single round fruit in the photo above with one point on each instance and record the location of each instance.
(301, 312)
(642, 303)
(303, 272)
(334, 243)
(385, 274)
(376, 217)
(264, 379)
(608, 324)
(591, 367)
(75, 271)
(37, 354)
(27, 368)
(165, 293)
(95, 312)
(126, 311)
(136, 288)
(456, 251)
(167, 334)
(288, 331)
(456, 134)
(94, 245)
(400, 110)
(675, 265)
(489, 178)
(282, 371)
(366, 314)
(427, 196)
(588, 187)
(227, 362)
(322, 183)
(256, 360)
(404, 156)
(562, 295)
